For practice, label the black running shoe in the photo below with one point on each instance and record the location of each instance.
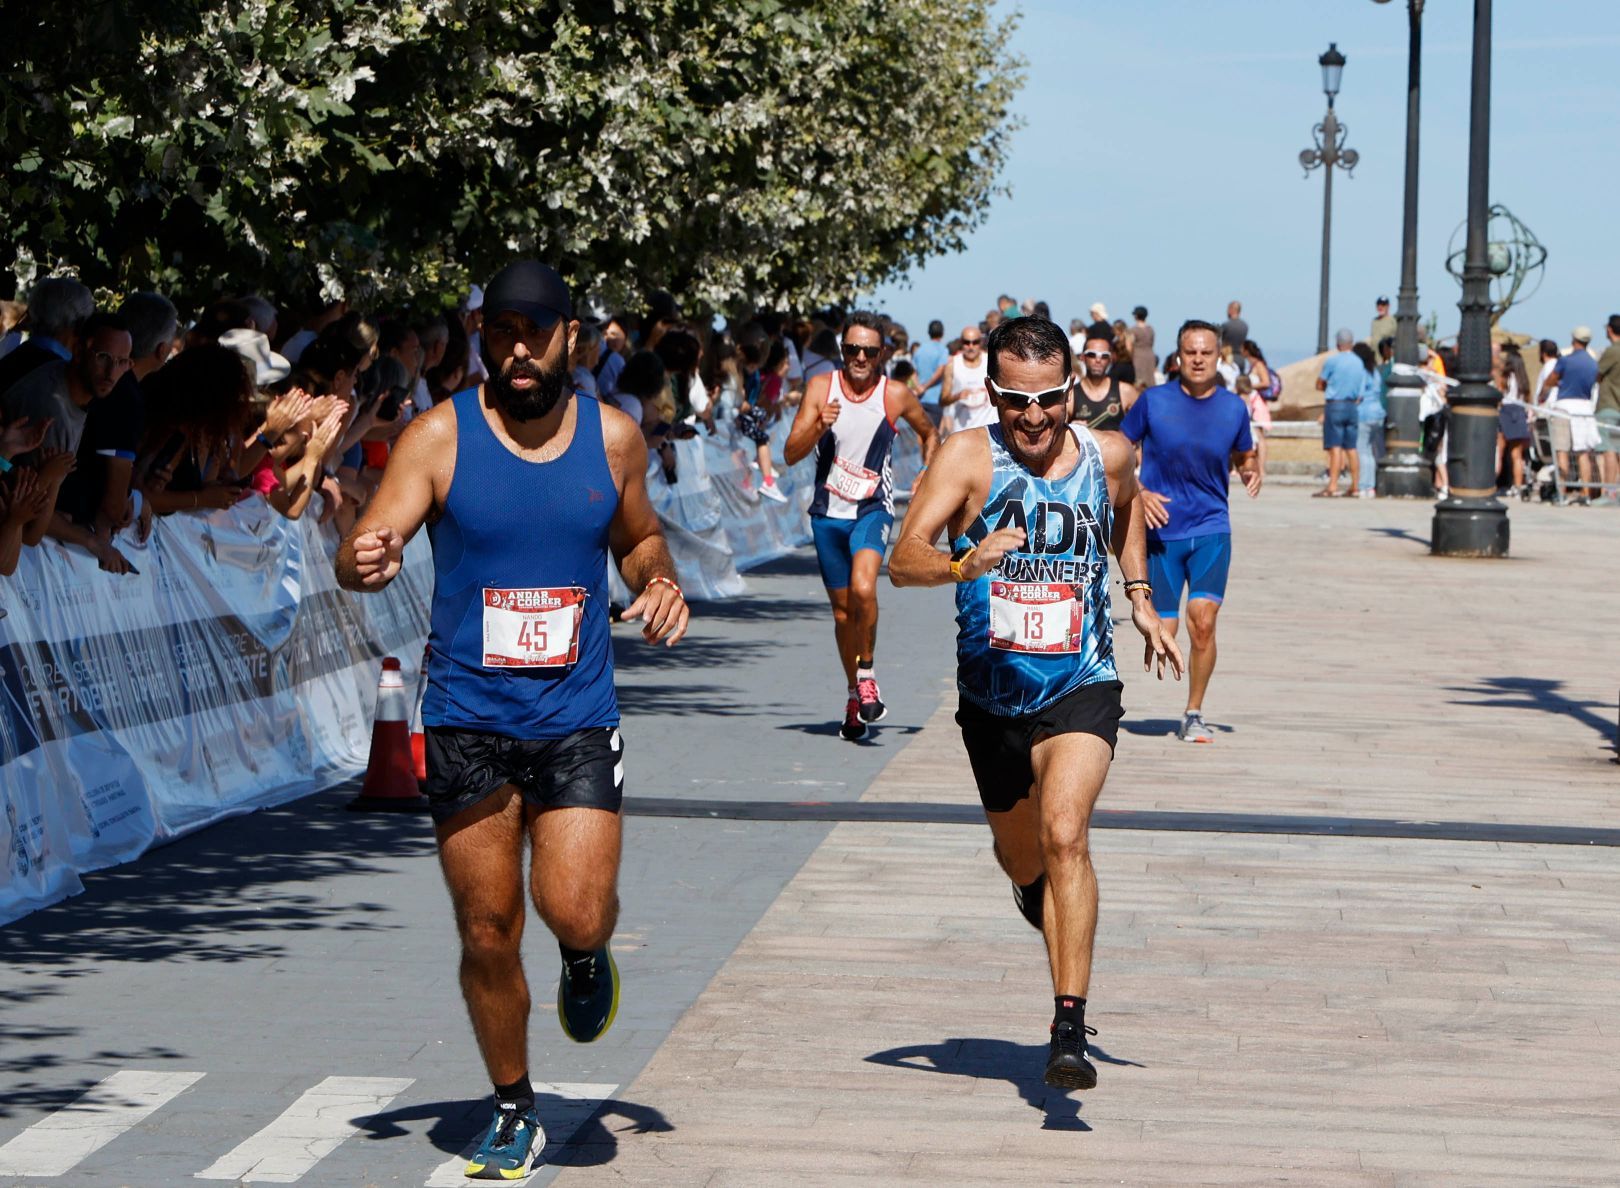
(1067, 1066)
(1031, 902)
(872, 707)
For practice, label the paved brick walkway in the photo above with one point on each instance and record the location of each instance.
(1271, 1009)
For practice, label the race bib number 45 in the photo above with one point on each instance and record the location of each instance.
(532, 628)
(1035, 617)
(853, 482)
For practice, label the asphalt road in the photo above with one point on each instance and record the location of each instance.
(274, 1000)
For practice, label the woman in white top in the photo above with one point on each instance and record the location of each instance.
(1512, 421)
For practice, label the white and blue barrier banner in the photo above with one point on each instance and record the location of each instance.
(229, 674)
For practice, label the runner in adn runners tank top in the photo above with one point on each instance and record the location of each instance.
(519, 642)
(1037, 627)
(852, 457)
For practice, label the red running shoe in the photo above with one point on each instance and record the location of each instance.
(854, 727)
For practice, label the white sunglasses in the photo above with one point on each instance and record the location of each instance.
(1019, 401)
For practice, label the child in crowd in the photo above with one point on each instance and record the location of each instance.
(762, 396)
(1259, 416)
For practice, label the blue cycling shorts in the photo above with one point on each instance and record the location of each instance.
(1197, 565)
(837, 542)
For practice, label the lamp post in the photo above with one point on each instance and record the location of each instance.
(1403, 470)
(1329, 151)
(1471, 521)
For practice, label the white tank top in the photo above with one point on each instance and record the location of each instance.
(972, 406)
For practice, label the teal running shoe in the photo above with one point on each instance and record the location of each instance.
(588, 995)
(508, 1151)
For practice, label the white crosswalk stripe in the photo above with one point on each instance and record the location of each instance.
(564, 1106)
(59, 1142)
(309, 1130)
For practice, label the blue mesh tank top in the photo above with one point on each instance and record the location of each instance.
(519, 642)
(1037, 627)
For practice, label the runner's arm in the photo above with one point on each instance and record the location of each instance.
(637, 538)
(1130, 547)
(912, 410)
(1247, 464)
(1127, 396)
(371, 555)
(942, 491)
(807, 427)
(947, 392)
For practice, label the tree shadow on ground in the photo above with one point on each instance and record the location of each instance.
(1542, 695)
(223, 894)
(576, 1134)
(631, 653)
(799, 563)
(762, 610)
(1020, 1065)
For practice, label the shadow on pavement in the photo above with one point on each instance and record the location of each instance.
(1159, 727)
(799, 563)
(1020, 1065)
(1543, 695)
(763, 610)
(208, 896)
(455, 1125)
(830, 728)
(1403, 534)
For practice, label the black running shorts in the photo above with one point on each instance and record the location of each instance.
(583, 770)
(999, 747)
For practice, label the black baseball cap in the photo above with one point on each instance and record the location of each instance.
(532, 289)
(1382, 301)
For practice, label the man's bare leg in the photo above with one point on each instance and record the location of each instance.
(1069, 774)
(481, 854)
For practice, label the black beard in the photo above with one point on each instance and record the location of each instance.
(531, 405)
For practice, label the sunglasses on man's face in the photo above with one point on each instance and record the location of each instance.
(1019, 401)
(967, 342)
(1095, 355)
(852, 350)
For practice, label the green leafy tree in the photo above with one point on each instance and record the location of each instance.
(736, 152)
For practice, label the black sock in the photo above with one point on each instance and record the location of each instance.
(574, 954)
(519, 1093)
(1069, 1008)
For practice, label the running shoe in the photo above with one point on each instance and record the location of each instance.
(772, 492)
(872, 707)
(588, 995)
(1031, 902)
(854, 727)
(509, 1149)
(1066, 1063)
(1193, 730)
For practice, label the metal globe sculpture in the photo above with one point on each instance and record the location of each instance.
(1516, 258)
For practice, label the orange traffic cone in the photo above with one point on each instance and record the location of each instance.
(418, 738)
(390, 784)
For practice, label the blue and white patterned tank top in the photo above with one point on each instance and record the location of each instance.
(1037, 627)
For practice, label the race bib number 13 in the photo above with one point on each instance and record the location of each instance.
(1035, 617)
(532, 628)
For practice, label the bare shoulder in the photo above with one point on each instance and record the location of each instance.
(429, 434)
(1118, 454)
(964, 456)
(622, 440)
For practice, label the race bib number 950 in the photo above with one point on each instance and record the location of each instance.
(532, 628)
(1035, 617)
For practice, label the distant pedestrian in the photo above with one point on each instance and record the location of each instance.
(1608, 409)
(1267, 383)
(1573, 428)
(1234, 330)
(1340, 383)
(1369, 423)
(930, 359)
(1383, 323)
(1513, 425)
(1142, 348)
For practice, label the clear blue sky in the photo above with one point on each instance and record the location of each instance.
(1159, 165)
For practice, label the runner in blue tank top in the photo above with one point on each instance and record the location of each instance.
(848, 418)
(1033, 506)
(525, 488)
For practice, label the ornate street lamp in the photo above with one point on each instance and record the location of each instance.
(1329, 152)
(1472, 522)
(1403, 470)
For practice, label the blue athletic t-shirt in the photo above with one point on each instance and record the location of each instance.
(1576, 372)
(1343, 373)
(1187, 445)
(926, 359)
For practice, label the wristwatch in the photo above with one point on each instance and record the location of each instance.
(959, 558)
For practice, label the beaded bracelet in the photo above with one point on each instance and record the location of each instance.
(1138, 584)
(670, 584)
